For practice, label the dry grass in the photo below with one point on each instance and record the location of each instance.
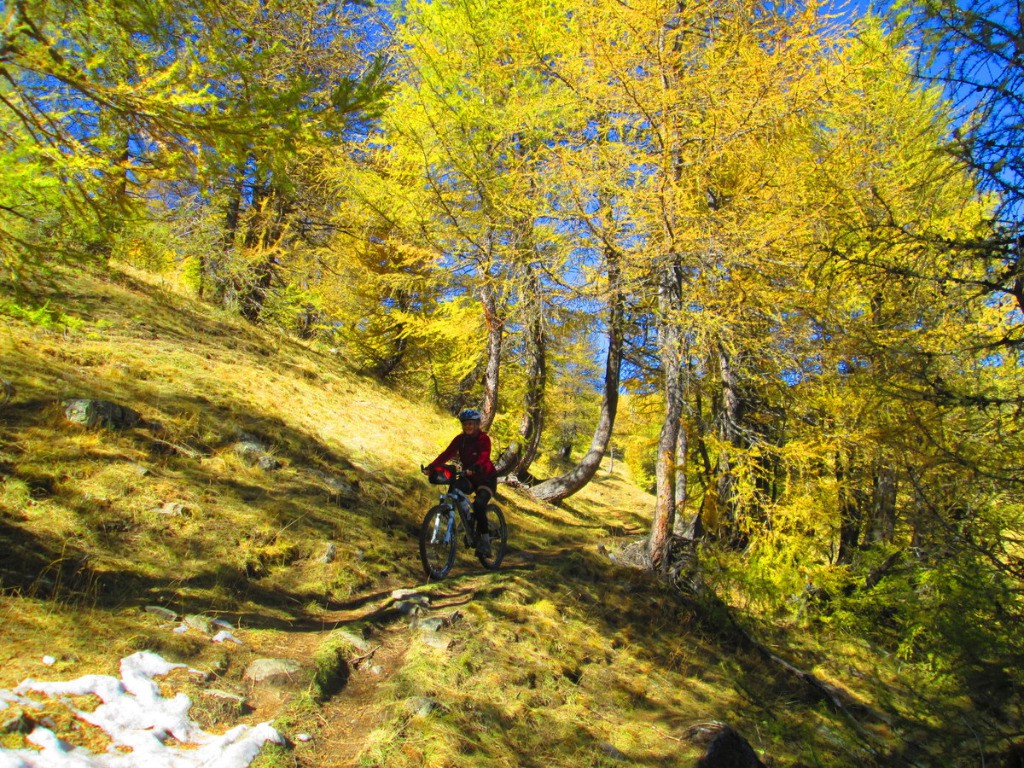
(561, 658)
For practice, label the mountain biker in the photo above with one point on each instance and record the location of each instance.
(473, 449)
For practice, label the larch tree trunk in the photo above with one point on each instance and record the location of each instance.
(729, 420)
(849, 508)
(563, 486)
(211, 284)
(264, 235)
(670, 346)
(691, 527)
(881, 525)
(670, 357)
(495, 336)
(532, 424)
(883, 504)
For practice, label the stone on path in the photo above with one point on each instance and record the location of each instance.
(412, 605)
(436, 640)
(356, 641)
(340, 490)
(273, 671)
(401, 594)
(16, 722)
(430, 624)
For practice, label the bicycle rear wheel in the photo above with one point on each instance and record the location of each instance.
(498, 533)
(437, 541)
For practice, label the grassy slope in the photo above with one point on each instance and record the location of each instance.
(559, 655)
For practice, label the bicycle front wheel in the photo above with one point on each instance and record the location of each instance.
(498, 533)
(437, 541)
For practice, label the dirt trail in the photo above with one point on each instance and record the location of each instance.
(349, 717)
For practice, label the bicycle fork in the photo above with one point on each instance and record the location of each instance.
(436, 535)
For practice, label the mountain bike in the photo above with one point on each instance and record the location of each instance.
(440, 531)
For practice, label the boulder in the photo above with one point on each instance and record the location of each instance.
(100, 413)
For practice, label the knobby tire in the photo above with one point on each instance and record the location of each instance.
(498, 532)
(437, 556)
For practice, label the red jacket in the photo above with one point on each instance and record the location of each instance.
(474, 453)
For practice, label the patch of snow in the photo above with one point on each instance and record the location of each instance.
(224, 635)
(136, 716)
(49, 661)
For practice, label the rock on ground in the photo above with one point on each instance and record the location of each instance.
(272, 671)
(100, 413)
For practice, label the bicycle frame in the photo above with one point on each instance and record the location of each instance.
(460, 502)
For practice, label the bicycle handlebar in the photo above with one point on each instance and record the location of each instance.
(457, 473)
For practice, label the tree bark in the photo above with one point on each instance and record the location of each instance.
(386, 366)
(263, 235)
(670, 356)
(508, 460)
(692, 528)
(495, 335)
(563, 486)
(883, 504)
(729, 432)
(532, 423)
(881, 523)
(211, 285)
(459, 401)
(849, 510)
(515, 461)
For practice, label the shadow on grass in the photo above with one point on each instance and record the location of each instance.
(685, 634)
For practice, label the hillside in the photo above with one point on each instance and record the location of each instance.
(563, 657)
